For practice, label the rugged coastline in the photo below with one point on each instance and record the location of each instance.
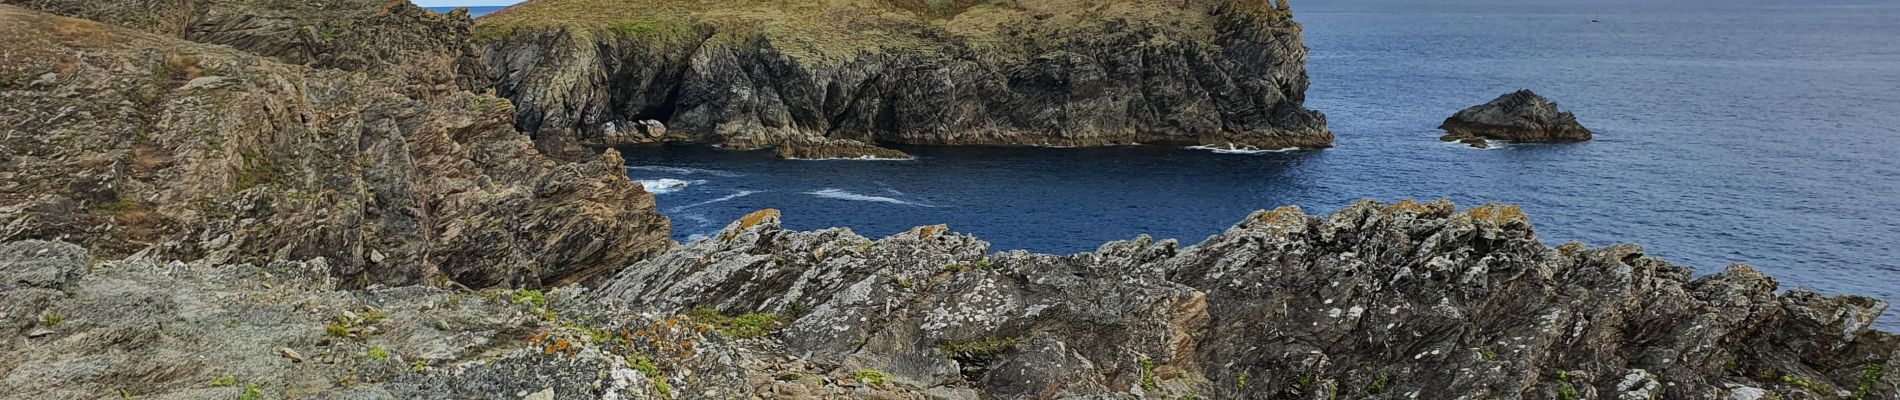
(211, 200)
(1404, 300)
(751, 75)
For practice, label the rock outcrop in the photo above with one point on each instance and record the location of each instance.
(836, 149)
(384, 37)
(1520, 116)
(946, 72)
(1394, 301)
(132, 143)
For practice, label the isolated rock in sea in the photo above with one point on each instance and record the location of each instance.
(758, 74)
(132, 143)
(1520, 116)
(836, 149)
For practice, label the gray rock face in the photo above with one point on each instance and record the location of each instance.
(1375, 301)
(756, 75)
(1520, 116)
(1382, 301)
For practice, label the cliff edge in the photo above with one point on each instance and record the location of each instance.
(748, 74)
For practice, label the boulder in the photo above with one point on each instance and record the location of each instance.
(836, 149)
(1520, 116)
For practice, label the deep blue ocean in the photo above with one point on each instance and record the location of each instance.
(1750, 131)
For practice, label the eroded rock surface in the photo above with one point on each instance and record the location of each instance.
(132, 143)
(1393, 301)
(758, 74)
(1520, 116)
(1375, 301)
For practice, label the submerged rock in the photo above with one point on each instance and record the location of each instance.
(1520, 116)
(836, 149)
(754, 75)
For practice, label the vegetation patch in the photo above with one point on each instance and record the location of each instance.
(224, 381)
(744, 326)
(872, 377)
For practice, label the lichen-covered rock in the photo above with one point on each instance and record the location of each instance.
(1405, 300)
(951, 72)
(1520, 116)
(133, 143)
(836, 149)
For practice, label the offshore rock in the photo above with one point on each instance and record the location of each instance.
(751, 75)
(836, 149)
(132, 143)
(1520, 116)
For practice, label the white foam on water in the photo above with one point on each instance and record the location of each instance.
(840, 194)
(684, 170)
(667, 185)
(734, 195)
(1231, 149)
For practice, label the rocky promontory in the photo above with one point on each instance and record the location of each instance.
(753, 75)
(1395, 301)
(142, 144)
(1520, 116)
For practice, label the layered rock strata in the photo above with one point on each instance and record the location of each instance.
(132, 143)
(946, 72)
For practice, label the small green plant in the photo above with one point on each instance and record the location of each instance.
(1380, 384)
(374, 317)
(224, 381)
(377, 354)
(903, 282)
(1487, 354)
(871, 377)
(952, 267)
(644, 364)
(791, 377)
(49, 319)
(1147, 373)
(744, 326)
(1869, 377)
(1564, 390)
(419, 366)
(251, 392)
(528, 297)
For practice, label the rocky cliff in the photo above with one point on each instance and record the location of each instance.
(138, 144)
(750, 74)
(1376, 300)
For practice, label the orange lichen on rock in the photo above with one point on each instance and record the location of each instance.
(1497, 213)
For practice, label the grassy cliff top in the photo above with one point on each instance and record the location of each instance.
(843, 27)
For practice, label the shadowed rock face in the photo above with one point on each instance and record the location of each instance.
(138, 144)
(1520, 116)
(1032, 72)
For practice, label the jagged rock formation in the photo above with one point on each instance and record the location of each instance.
(134, 143)
(1520, 116)
(836, 149)
(1393, 301)
(1026, 72)
(1375, 301)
